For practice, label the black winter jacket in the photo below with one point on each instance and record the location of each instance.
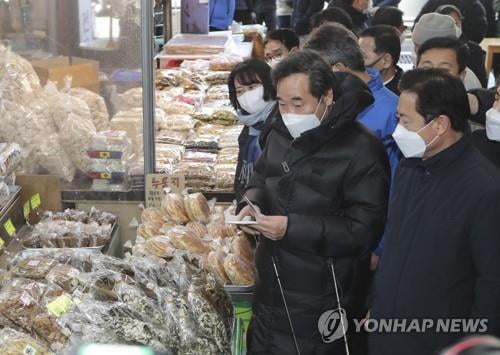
(475, 24)
(302, 12)
(332, 184)
(360, 21)
(476, 60)
(441, 258)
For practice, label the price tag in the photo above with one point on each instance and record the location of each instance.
(36, 201)
(9, 228)
(29, 350)
(26, 209)
(104, 155)
(60, 305)
(2, 243)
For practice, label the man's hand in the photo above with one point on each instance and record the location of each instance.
(247, 212)
(272, 227)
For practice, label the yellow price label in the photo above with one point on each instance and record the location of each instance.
(9, 228)
(36, 201)
(105, 175)
(26, 209)
(2, 243)
(60, 305)
(104, 155)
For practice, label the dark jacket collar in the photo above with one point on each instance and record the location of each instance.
(442, 160)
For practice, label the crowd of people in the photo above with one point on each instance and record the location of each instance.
(375, 189)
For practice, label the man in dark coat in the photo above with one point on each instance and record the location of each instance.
(441, 258)
(357, 10)
(265, 10)
(322, 186)
(303, 10)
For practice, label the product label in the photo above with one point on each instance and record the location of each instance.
(60, 305)
(9, 228)
(36, 201)
(2, 243)
(29, 350)
(33, 263)
(104, 155)
(26, 209)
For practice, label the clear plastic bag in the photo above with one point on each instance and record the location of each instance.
(178, 123)
(184, 239)
(10, 159)
(98, 110)
(197, 208)
(225, 62)
(173, 206)
(13, 342)
(240, 272)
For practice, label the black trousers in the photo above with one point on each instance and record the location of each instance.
(244, 16)
(269, 18)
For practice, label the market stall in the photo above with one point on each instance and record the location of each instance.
(145, 161)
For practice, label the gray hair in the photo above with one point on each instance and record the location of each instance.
(337, 45)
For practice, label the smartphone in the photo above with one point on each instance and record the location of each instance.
(254, 209)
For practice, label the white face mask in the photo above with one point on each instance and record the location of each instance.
(412, 145)
(493, 124)
(253, 101)
(458, 31)
(273, 62)
(297, 124)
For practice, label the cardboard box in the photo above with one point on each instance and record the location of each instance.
(85, 72)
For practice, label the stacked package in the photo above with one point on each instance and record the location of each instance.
(10, 159)
(188, 222)
(110, 154)
(72, 229)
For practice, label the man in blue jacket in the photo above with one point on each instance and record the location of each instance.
(221, 14)
(340, 47)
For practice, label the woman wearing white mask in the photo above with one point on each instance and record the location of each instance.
(322, 187)
(488, 140)
(252, 94)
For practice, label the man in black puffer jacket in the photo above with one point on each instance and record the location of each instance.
(322, 185)
(475, 23)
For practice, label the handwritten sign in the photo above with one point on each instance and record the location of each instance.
(156, 185)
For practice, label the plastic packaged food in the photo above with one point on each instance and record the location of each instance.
(225, 62)
(239, 271)
(173, 206)
(182, 238)
(179, 108)
(179, 123)
(206, 142)
(199, 157)
(172, 137)
(228, 156)
(98, 110)
(159, 246)
(218, 92)
(13, 342)
(10, 158)
(217, 77)
(242, 248)
(199, 65)
(225, 175)
(197, 208)
(215, 265)
(65, 276)
(197, 228)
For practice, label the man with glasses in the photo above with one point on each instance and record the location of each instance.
(279, 44)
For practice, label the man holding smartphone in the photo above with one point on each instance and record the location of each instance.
(320, 191)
